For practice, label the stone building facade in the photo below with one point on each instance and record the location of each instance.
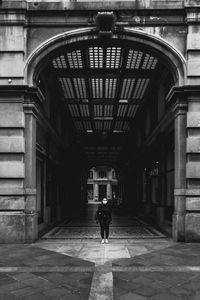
(86, 83)
(102, 183)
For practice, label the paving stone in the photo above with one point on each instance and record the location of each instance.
(147, 291)
(36, 296)
(26, 291)
(132, 296)
(166, 296)
(6, 280)
(180, 290)
(56, 292)
(11, 287)
(193, 285)
(7, 296)
(38, 282)
(22, 276)
(125, 285)
(196, 296)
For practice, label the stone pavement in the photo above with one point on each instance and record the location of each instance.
(84, 269)
(122, 270)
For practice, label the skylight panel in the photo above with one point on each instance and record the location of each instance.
(59, 62)
(113, 56)
(110, 87)
(75, 59)
(97, 87)
(96, 57)
(134, 59)
(67, 88)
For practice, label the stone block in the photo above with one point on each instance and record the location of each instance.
(11, 64)
(178, 227)
(12, 119)
(193, 119)
(193, 170)
(193, 203)
(193, 64)
(193, 144)
(11, 202)
(12, 227)
(31, 204)
(11, 170)
(193, 41)
(12, 38)
(31, 227)
(11, 144)
(192, 227)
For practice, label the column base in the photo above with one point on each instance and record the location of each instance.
(192, 227)
(18, 227)
(178, 227)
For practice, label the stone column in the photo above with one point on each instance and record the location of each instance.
(96, 191)
(192, 219)
(109, 190)
(30, 174)
(161, 183)
(180, 171)
(15, 193)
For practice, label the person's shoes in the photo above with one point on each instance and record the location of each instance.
(106, 241)
(103, 241)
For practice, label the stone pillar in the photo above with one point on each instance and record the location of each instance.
(192, 220)
(109, 190)
(180, 171)
(30, 174)
(96, 191)
(18, 210)
(12, 149)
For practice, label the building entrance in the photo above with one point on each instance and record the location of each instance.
(102, 192)
(100, 96)
(112, 112)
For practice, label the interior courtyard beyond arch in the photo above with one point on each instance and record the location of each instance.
(96, 88)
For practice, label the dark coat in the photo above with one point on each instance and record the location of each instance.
(103, 214)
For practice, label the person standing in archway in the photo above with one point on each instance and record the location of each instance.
(103, 217)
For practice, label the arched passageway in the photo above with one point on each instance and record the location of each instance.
(104, 102)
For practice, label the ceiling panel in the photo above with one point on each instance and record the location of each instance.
(75, 59)
(104, 84)
(74, 110)
(108, 110)
(59, 62)
(97, 87)
(84, 108)
(110, 87)
(113, 57)
(98, 110)
(80, 88)
(134, 59)
(95, 57)
(127, 88)
(67, 88)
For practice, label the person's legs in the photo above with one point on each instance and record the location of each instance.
(102, 232)
(107, 231)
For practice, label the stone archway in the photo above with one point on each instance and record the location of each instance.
(23, 198)
(171, 57)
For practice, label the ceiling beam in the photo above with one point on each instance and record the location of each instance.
(103, 73)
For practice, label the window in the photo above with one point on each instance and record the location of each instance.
(102, 174)
(90, 175)
(113, 175)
